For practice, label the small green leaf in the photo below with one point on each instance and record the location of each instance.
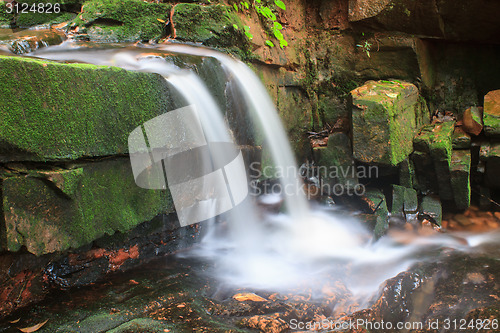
(269, 43)
(277, 25)
(280, 4)
(283, 43)
(258, 1)
(246, 5)
(235, 7)
(235, 26)
(247, 28)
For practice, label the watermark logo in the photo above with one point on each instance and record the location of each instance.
(205, 178)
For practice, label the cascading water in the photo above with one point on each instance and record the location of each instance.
(301, 248)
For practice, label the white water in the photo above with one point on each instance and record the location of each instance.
(303, 248)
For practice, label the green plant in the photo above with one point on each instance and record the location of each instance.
(265, 9)
(366, 47)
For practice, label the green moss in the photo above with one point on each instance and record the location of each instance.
(210, 25)
(52, 111)
(384, 114)
(122, 21)
(100, 198)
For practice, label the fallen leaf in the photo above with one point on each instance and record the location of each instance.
(162, 21)
(249, 297)
(33, 328)
(14, 321)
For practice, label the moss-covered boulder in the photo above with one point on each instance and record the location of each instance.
(385, 114)
(210, 25)
(122, 20)
(491, 115)
(436, 142)
(407, 177)
(53, 111)
(460, 178)
(48, 211)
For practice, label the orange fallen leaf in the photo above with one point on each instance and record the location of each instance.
(249, 297)
(14, 321)
(33, 328)
(162, 21)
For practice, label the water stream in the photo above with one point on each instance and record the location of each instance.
(301, 248)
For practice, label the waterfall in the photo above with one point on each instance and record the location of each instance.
(302, 247)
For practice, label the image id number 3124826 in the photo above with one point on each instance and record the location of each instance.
(40, 8)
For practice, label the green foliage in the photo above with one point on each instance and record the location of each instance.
(366, 47)
(266, 11)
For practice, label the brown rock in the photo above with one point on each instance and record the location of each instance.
(473, 120)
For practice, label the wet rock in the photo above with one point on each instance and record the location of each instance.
(56, 111)
(492, 166)
(473, 120)
(460, 178)
(491, 115)
(407, 177)
(122, 21)
(474, 21)
(385, 115)
(460, 139)
(377, 205)
(48, 211)
(436, 140)
(25, 43)
(430, 208)
(336, 162)
(210, 25)
(397, 201)
(404, 202)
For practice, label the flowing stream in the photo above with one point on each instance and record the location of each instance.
(297, 249)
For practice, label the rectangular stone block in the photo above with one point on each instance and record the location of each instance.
(48, 211)
(54, 111)
(384, 121)
(460, 178)
(491, 116)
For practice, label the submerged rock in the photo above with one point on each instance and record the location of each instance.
(386, 114)
(491, 116)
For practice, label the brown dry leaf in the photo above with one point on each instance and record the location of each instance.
(33, 328)
(249, 297)
(15, 321)
(162, 21)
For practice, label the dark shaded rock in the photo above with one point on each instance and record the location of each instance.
(407, 177)
(460, 139)
(410, 204)
(460, 178)
(491, 115)
(377, 204)
(426, 179)
(473, 120)
(436, 140)
(430, 208)
(398, 201)
(471, 21)
(49, 211)
(122, 21)
(54, 111)
(493, 166)
(336, 162)
(384, 114)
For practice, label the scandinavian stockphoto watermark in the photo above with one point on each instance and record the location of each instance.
(337, 180)
(205, 178)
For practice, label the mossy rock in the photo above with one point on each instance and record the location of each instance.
(378, 204)
(210, 25)
(384, 115)
(491, 115)
(460, 178)
(436, 140)
(53, 111)
(48, 211)
(122, 21)
(430, 208)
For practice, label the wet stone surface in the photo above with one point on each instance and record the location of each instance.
(175, 294)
